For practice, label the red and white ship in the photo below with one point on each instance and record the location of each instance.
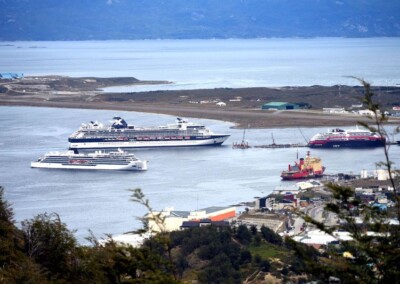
(309, 167)
(354, 138)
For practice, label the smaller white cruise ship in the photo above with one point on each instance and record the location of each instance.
(99, 160)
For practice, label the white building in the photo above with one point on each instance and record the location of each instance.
(308, 184)
(334, 110)
(382, 174)
(317, 237)
(367, 112)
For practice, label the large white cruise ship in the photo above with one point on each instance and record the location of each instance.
(98, 160)
(121, 135)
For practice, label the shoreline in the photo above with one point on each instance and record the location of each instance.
(251, 119)
(241, 106)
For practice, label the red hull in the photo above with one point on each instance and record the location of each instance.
(310, 167)
(299, 175)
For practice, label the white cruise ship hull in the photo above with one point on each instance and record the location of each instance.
(148, 144)
(133, 166)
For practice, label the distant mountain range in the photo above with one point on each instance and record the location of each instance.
(182, 19)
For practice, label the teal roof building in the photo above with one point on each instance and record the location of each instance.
(280, 106)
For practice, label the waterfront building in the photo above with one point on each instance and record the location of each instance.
(279, 106)
(173, 220)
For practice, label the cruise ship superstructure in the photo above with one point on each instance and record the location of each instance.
(121, 135)
(354, 138)
(99, 160)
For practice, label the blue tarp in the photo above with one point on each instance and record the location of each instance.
(11, 76)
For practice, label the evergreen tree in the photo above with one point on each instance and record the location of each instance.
(15, 266)
(270, 236)
(243, 235)
(9, 239)
(50, 244)
(373, 254)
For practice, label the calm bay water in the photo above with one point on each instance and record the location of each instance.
(199, 64)
(186, 179)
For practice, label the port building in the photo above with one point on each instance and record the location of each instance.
(173, 220)
(279, 106)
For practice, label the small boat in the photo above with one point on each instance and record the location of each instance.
(243, 144)
(309, 167)
(99, 160)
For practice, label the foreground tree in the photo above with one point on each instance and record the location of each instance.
(373, 254)
(15, 266)
(49, 243)
(9, 239)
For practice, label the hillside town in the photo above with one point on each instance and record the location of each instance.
(284, 209)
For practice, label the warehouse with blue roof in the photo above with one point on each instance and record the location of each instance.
(279, 106)
(11, 76)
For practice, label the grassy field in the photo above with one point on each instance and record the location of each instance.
(267, 251)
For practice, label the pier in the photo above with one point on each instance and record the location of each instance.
(281, 146)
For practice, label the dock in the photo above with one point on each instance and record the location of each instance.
(274, 145)
(281, 146)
